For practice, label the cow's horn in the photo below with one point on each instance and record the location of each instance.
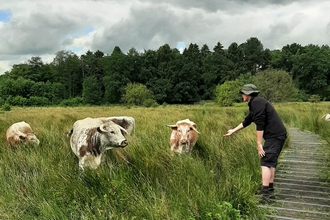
(195, 129)
(102, 128)
(123, 129)
(171, 126)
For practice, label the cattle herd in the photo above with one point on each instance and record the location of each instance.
(90, 138)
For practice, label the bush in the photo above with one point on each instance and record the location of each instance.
(149, 103)
(19, 101)
(37, 101)
(228, 93)
(138, 94)
(314, 98)
(6, 107)
(2, 101)
(77, 101)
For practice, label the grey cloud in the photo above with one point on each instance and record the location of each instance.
(39, 33)
(327, 29)
(222, 5)
(139, 30)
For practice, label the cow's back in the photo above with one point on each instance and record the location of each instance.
(79, 132)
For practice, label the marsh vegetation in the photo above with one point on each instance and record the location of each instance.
(218, 181)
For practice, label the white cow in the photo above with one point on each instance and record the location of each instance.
(91, 137)
(326, 117)
(21, 132)
(184, 136)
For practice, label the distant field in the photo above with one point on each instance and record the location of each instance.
(217, 181)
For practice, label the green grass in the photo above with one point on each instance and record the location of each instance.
(217, 181)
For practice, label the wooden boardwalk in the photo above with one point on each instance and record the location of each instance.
(301, 191)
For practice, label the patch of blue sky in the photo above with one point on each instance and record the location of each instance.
(76, 49)
(89, 30)
(181, 46)
(5, 16)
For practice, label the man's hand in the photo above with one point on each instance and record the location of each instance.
(261, 151)
(229, 132)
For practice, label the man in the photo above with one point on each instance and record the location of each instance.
(268, 127)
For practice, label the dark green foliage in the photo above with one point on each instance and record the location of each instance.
(37, 101)
(91, 91)
(173, 77)
(77, 101)
(6, 107)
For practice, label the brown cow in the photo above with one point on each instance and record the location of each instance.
(21, 132)
(184, 136)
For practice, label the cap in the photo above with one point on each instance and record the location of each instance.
(249, 89)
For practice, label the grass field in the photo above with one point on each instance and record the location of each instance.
(217, 181)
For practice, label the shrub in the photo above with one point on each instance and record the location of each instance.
(228, 93)
(149, 103)
(37, 101)
(6, 107)
(19, 101)
(2, 101)
(314, 98)
(138, 94)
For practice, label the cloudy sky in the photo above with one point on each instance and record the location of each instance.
(43, 27)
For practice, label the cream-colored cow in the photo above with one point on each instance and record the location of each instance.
(326, 117)
(21, 132)
(184, 136)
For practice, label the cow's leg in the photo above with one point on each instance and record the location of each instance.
(82, 163)
(97, 161)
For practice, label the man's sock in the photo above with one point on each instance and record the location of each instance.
(265, 190)
(271, 185)
(271, 191)
(265, 194)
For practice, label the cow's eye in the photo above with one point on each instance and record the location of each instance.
(112, 132)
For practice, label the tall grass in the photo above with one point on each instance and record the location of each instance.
(217, 181)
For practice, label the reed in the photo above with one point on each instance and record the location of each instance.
(217, 181)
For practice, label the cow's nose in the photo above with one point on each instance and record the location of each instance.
(124, 143)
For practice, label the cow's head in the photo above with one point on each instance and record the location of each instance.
(112, 135)
(29, 139)
(182, 131)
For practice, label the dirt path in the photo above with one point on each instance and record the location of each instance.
(300, 190)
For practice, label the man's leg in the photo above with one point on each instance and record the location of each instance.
(267, 175)
(271, 183)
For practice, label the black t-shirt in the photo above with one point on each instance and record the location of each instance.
(264, 115)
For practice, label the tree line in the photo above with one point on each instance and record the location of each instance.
(165, 75)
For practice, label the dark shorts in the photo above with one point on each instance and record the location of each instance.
(272, 148)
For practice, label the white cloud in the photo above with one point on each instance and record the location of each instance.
(42, 28)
